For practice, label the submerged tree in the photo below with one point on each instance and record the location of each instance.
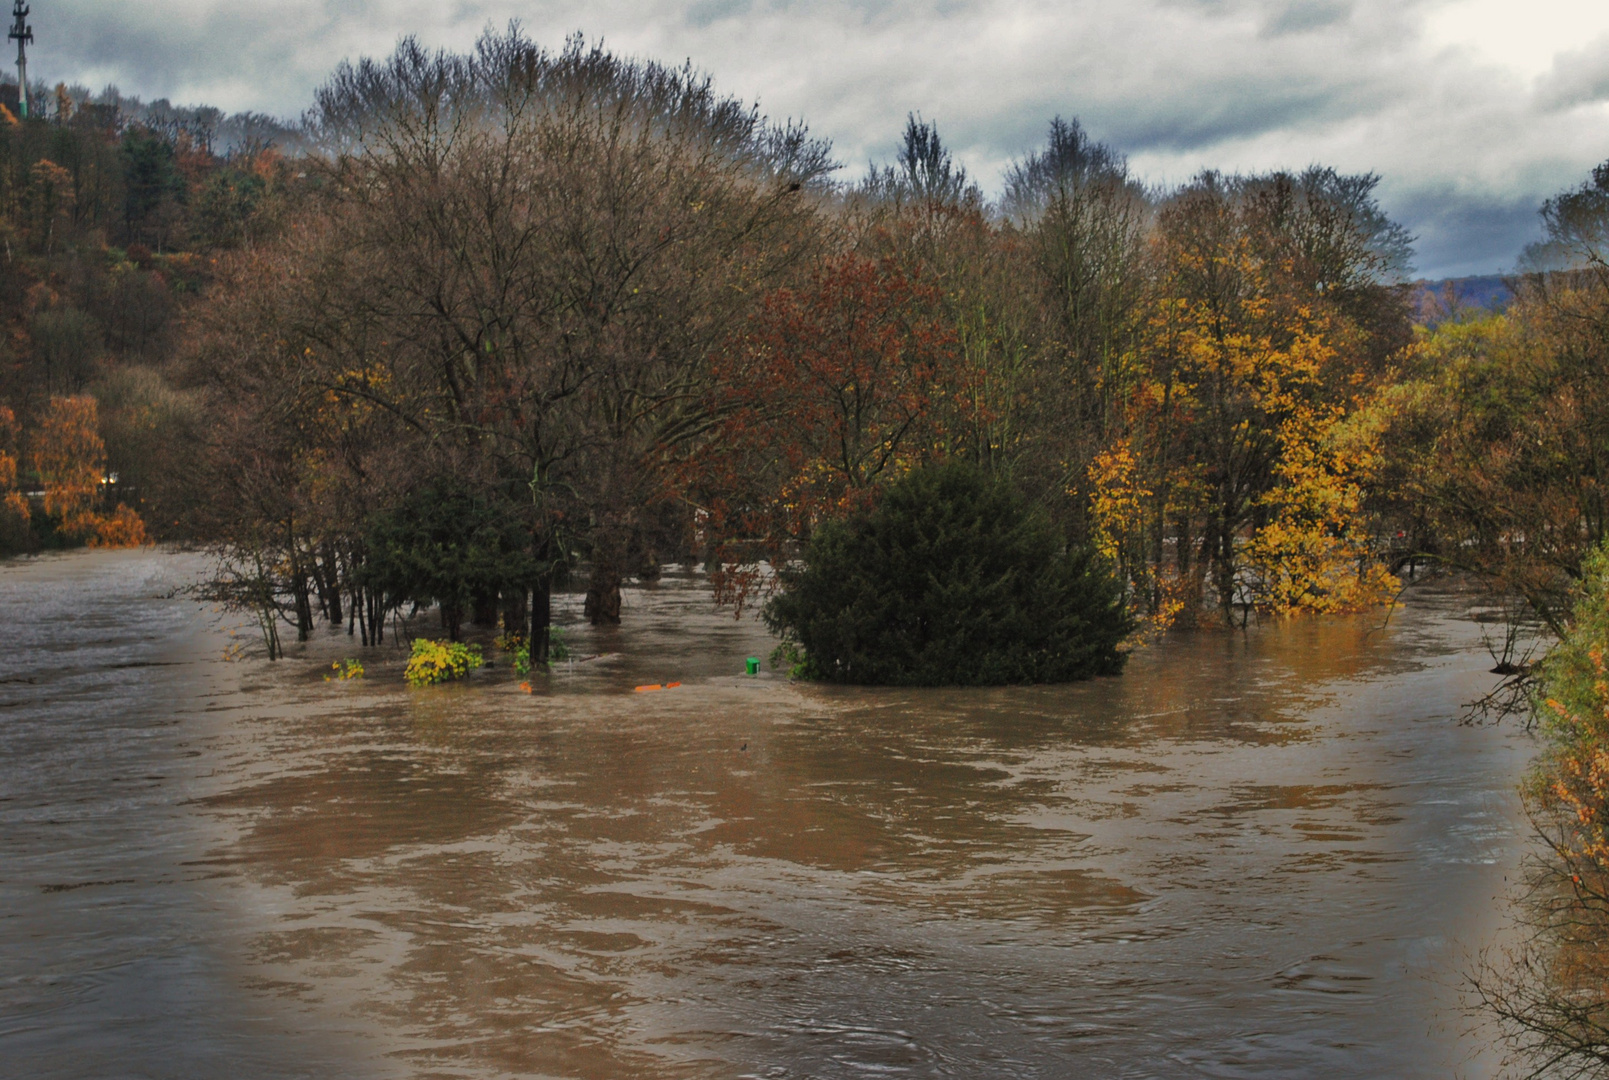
(518, 266)
(952, 579)
(451, 546)
(1269, 322)
(827, 394)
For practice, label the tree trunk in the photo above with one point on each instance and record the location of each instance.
(1224, 570)
(541, 621)
(603, 595)
(376, 618)
(304, 605)
(268, 619)
(516, 612)
(330, 585)
(452, 616)
(485, 609)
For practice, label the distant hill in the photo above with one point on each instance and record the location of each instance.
(1434, 301)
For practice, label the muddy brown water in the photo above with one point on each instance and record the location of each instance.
(1266, 854)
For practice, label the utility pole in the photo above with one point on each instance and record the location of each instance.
(23, 35)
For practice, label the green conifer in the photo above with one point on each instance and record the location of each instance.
(953, 579)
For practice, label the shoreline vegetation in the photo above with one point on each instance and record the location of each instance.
(485, 324)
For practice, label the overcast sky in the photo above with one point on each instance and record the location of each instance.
(1472, 111)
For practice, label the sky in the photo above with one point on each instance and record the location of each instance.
(1472, 112)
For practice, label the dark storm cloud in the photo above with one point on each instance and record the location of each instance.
(1461, 234)
(1235, 108)
(1467, 142)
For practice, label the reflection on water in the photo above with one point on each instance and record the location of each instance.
(1258, 854)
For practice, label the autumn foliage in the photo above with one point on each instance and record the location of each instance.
(14, 510)
(1549, 991)
(493, 322)
(828, 392)
(68, 457)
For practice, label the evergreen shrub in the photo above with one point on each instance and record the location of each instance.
(447, 544)
(952, 579)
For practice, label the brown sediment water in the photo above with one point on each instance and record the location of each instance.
(1267, 853)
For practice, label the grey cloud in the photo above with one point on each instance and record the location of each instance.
(1177, 84)
(1577, 78)
(1204, 7)
(704, 12)
(1231, 109)
(1460, 234)
(1184, 110)
(1305, 16)
(147, 54)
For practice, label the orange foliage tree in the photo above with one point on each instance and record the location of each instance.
(70, 458)
(829, 392)
(14, 512)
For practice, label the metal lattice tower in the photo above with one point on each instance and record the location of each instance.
(23, 35)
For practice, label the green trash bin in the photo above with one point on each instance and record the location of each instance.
(754, 665)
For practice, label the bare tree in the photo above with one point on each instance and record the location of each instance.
(522, 261)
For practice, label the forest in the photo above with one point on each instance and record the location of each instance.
(484, 325)
(569, 315)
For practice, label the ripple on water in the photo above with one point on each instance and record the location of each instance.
(1254, 854)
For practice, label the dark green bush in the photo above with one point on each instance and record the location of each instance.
(953, 579)
(447, 545)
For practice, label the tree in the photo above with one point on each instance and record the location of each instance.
(67, 343)
(1237, 415)
(925, 173)
(69, 459)
(1083, 222)
(14, 510)
(1548, 990)
(1576, 229)
(1500, 439)
(151, 183)
(827, 394)
(520, 262)
(53, 198)
(450, 546)
(952, 578)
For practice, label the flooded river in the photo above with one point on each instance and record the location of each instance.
(1266, 854)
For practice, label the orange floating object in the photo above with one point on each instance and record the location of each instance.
(645, 687)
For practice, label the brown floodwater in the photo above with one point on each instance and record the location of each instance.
(1259, 854)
